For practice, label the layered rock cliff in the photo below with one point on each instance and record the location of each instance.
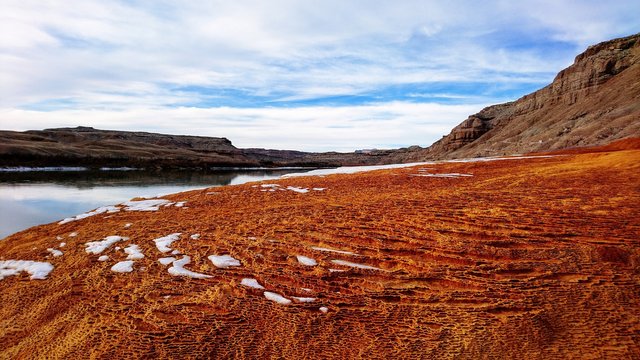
(592, 102)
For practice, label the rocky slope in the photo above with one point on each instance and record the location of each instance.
(593, 102)
(526, 258)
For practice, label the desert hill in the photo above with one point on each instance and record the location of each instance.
(593, 102)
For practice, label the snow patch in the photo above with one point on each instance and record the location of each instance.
(100, 210)
(324, 309)
(38, 270)
(307, 261)
(355, 265)
(166, 260)
(145, 205)
(163, 243)
(298, 189)
(127, 225)
(351, 170)
(304, 299)
(195, 236)
(123, 266)
(54, 252)
(134, 252)
(224, 261)
(177, 269)
(96, 247)
(103, 258)
(62, 244)
(252, 283)
(277, 298)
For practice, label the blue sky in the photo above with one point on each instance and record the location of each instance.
(307, 75)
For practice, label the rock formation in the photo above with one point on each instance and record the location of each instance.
(593, 102)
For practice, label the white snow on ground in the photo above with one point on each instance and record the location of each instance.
(103, 258)
(145, 205)
(38, 270)
(127, 225)
(277, 298)
(62, 244)
(163, 243)
(180, 204)
(195, 236)
(100, 210)
(252, 283)
(350, 170)
(274, 187)
(357, 169)
(177, 269)
(319, 189)
(223, 261)
(444, 175)
(54, 252)
(96, 247)
(324, 309)
(333, 250)
(166, 260)
(355, 265)
(123, 266)
(134, 252)
(73, 234)
(304, 299)
(297, 189)
(306, 260)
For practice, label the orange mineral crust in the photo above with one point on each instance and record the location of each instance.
(534, 258)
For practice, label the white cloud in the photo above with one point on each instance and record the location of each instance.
(122, 58)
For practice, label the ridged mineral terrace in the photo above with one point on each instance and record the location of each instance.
(527, 257)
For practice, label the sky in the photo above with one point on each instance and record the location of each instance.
(305, 75)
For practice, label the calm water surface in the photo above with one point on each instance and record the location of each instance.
(32, 198)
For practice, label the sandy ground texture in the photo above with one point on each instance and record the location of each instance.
(532, 258)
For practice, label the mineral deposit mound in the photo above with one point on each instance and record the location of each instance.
(524, 257)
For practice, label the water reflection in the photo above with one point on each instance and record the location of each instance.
(32, 198)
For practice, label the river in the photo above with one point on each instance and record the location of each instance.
(38, 197)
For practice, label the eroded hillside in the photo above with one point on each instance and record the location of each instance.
(593, 102)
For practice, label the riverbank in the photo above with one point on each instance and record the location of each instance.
(531, 256)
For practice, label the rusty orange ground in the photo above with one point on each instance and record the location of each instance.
(531, 259)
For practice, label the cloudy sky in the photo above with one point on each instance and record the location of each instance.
(308, 75)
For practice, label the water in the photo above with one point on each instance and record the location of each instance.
(32, 198)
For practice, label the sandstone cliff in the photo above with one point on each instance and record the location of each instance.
(593, 102)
